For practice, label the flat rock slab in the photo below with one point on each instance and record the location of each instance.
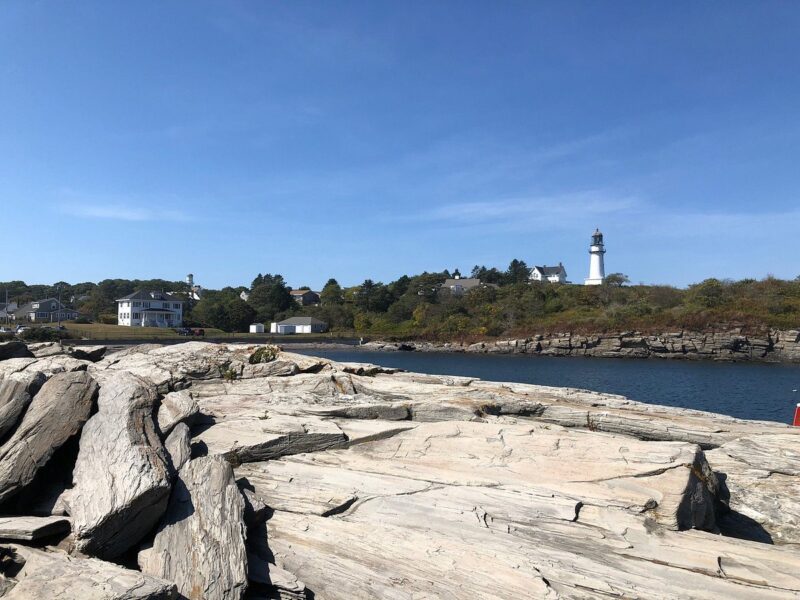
(200, 543)
(57, 576)
(670, 481)
(32, 528)
(55, 414)
(122, 474)
(274, 436)
(451, 548)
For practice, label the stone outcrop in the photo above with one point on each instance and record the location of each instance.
(315, 479)
(122, 475)
(200, 544)
(57, 576)
(55, 414)
(729, 345)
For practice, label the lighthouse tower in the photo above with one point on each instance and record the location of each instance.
(597, 270)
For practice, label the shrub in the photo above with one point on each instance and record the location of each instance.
(107, 319)
(44, 334)
(264, 354)
(83, 321)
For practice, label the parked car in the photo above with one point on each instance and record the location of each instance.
(20, 328)
(5, 330)
(199, 332)
(184, 331)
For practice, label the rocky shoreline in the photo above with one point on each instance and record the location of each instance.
(214, 471)
(774, 346)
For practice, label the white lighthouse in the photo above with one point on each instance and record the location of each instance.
(597, 270)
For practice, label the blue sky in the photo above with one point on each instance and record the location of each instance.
(373, 139)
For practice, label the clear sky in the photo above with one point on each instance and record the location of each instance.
(373, 139)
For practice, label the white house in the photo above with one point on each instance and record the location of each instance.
(150, 309)
(299, 325)
(257, 328)
(552, 274)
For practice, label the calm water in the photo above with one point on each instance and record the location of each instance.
(748, 391)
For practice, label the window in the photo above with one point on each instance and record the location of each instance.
(137, 315)
(146, 304)
(176, 306)
(135, 304)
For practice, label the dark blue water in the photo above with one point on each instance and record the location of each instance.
(748, 391)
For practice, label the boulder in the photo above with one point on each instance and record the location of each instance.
(176, 407)
(200, 543)
(178, 446)
(90, 353)
(14, 399)
(122, 474)
(14, 349)
(32, 528)
(56, 576)
(56, 413)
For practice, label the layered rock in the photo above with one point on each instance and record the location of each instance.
(728, 345)
(56, 413)
(344, 481)
(200, 544)
(122, 474)
(56, 576)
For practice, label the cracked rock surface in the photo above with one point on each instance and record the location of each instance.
(296, 477)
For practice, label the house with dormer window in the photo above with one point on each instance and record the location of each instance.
(150, 309)
(48, 310)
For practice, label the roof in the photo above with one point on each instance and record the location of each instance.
(158, 310)
(157, 296)
(465, 282)
(550, 270)
(302, 321)
(302, 292)
(28, 308)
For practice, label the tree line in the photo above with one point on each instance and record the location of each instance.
(507, 303)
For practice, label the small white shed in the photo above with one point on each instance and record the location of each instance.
(257, 328)
(299, 325)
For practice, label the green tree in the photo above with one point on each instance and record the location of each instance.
(517, 272)
(331, 294)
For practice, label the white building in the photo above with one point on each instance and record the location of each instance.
(552, 274)
(150, 309)
(597, 269)
(299, 325)
(459, 286)
(195, 291)
(257, 328)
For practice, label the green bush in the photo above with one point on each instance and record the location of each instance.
(264, 354)
(44, 334)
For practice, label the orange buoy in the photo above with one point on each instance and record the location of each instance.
(797, 416)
